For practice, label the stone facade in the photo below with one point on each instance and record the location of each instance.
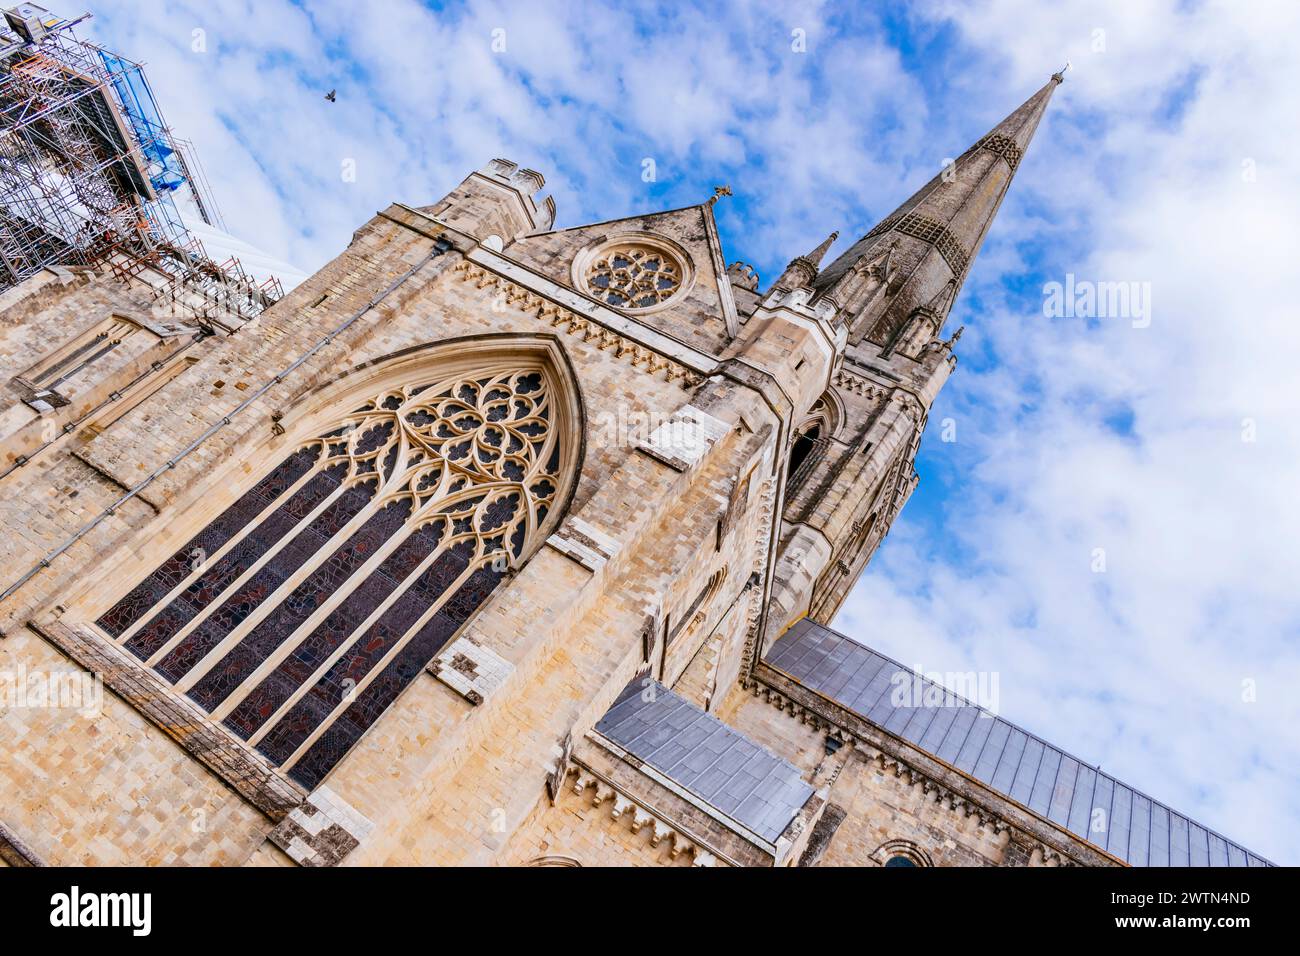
(685, 537)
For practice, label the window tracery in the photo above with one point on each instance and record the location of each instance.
(299, 613)
(634, 276)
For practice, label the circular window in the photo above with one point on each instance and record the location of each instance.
(634, 274)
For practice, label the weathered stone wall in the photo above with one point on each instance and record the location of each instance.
(438, 778)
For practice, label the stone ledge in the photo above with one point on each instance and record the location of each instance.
(685, 438)
(233, 762)
(470, 669)
(584, 543)
(14, 852)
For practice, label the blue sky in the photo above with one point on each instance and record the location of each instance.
(1169, 157)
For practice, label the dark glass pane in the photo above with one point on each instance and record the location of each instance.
(272, 574)
(231, 521)
(803, 444)
(899, 861)
(278, 686)
(332, 745)
(348, 671)
(277, 626)
(206, 588)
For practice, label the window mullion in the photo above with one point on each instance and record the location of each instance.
(379, 666)
(347, 645)
(272, 600)
(239, 582)
(383, 497)
(207, 565)
(307, 627)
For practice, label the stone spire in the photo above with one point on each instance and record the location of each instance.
(932, 237)
(802, 270)
(815, 257)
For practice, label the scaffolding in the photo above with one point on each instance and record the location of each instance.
(89, 173)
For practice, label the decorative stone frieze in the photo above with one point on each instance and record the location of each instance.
(626, 810)
(587, 329)
(857, 385)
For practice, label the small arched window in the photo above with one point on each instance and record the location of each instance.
(900, 853)
(297, 616)
(803, 446)
(697, 612)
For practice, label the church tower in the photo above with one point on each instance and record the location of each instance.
(850, 468)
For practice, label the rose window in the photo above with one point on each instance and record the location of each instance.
(634, 277)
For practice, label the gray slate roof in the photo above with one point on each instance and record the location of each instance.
(701, 754)
(1008, 760)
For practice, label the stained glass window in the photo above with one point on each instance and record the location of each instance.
(297, 616)
(631, 276)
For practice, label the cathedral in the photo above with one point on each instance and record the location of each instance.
(497, 544)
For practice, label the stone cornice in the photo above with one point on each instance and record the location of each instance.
(949, 786)
(634, 352)
(858, 385)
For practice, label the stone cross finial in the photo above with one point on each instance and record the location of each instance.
(718, 193)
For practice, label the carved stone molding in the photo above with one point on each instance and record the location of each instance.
(589, 330)
(754, 613)
(905, 848)
(637, 817)
(857, 385)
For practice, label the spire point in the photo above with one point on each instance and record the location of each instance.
(1059, 76)
(815, 257)
(937, 233)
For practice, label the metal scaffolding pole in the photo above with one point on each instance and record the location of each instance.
(88, 169)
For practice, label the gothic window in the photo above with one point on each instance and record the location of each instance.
(297, 615)
(810, 442)
(634, 275)
(804, 443)
(900, 853)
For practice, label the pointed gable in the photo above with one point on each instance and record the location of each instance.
(700, 312)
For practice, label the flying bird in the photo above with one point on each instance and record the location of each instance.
(331, 96)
